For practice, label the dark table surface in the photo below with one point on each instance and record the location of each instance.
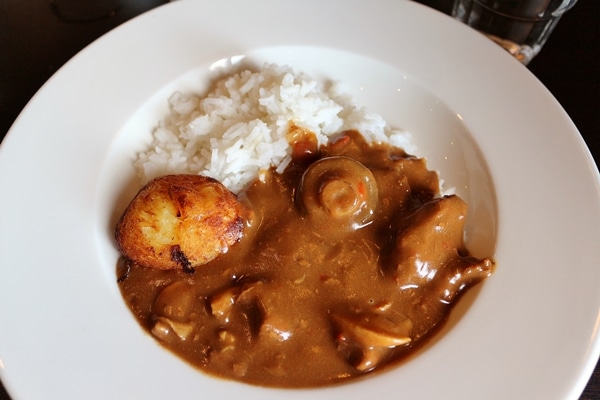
(38, 36)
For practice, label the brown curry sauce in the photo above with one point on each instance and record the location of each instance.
(341, 270)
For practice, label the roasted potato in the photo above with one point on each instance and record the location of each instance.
(180, 221)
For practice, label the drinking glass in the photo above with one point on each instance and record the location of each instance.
(519, 26)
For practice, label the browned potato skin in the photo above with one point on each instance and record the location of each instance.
(180, 221)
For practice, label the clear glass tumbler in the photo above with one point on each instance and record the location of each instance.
(519, 26)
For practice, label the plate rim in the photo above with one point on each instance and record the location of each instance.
(84, 58)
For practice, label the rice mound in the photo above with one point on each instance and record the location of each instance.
(238, 131)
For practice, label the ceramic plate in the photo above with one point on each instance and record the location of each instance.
(478, 116)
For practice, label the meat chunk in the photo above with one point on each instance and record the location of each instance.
(180, 221)
(429, 250)
(428, 238)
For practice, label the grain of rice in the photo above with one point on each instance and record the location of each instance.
(238, 131)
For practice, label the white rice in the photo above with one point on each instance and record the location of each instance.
(238, 131)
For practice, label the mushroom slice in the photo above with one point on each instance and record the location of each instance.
(177, 302)
(173, 311)
(371, 358)
(374, 330)
(221, 303)
(163, 328)
(367, 339)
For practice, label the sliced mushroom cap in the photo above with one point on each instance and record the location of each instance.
(173, 311)
(176, 302)
(371, 357)
(374, 330)
(222, 302)
(367, 339)
(339, 191)
(164, 328)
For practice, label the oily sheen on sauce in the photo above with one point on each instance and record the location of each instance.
(350, 259)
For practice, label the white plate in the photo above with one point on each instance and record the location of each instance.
(495, 133)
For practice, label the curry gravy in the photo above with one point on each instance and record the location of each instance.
(348, 261)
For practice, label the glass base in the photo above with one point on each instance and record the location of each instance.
(520, 33)
(521, 52)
